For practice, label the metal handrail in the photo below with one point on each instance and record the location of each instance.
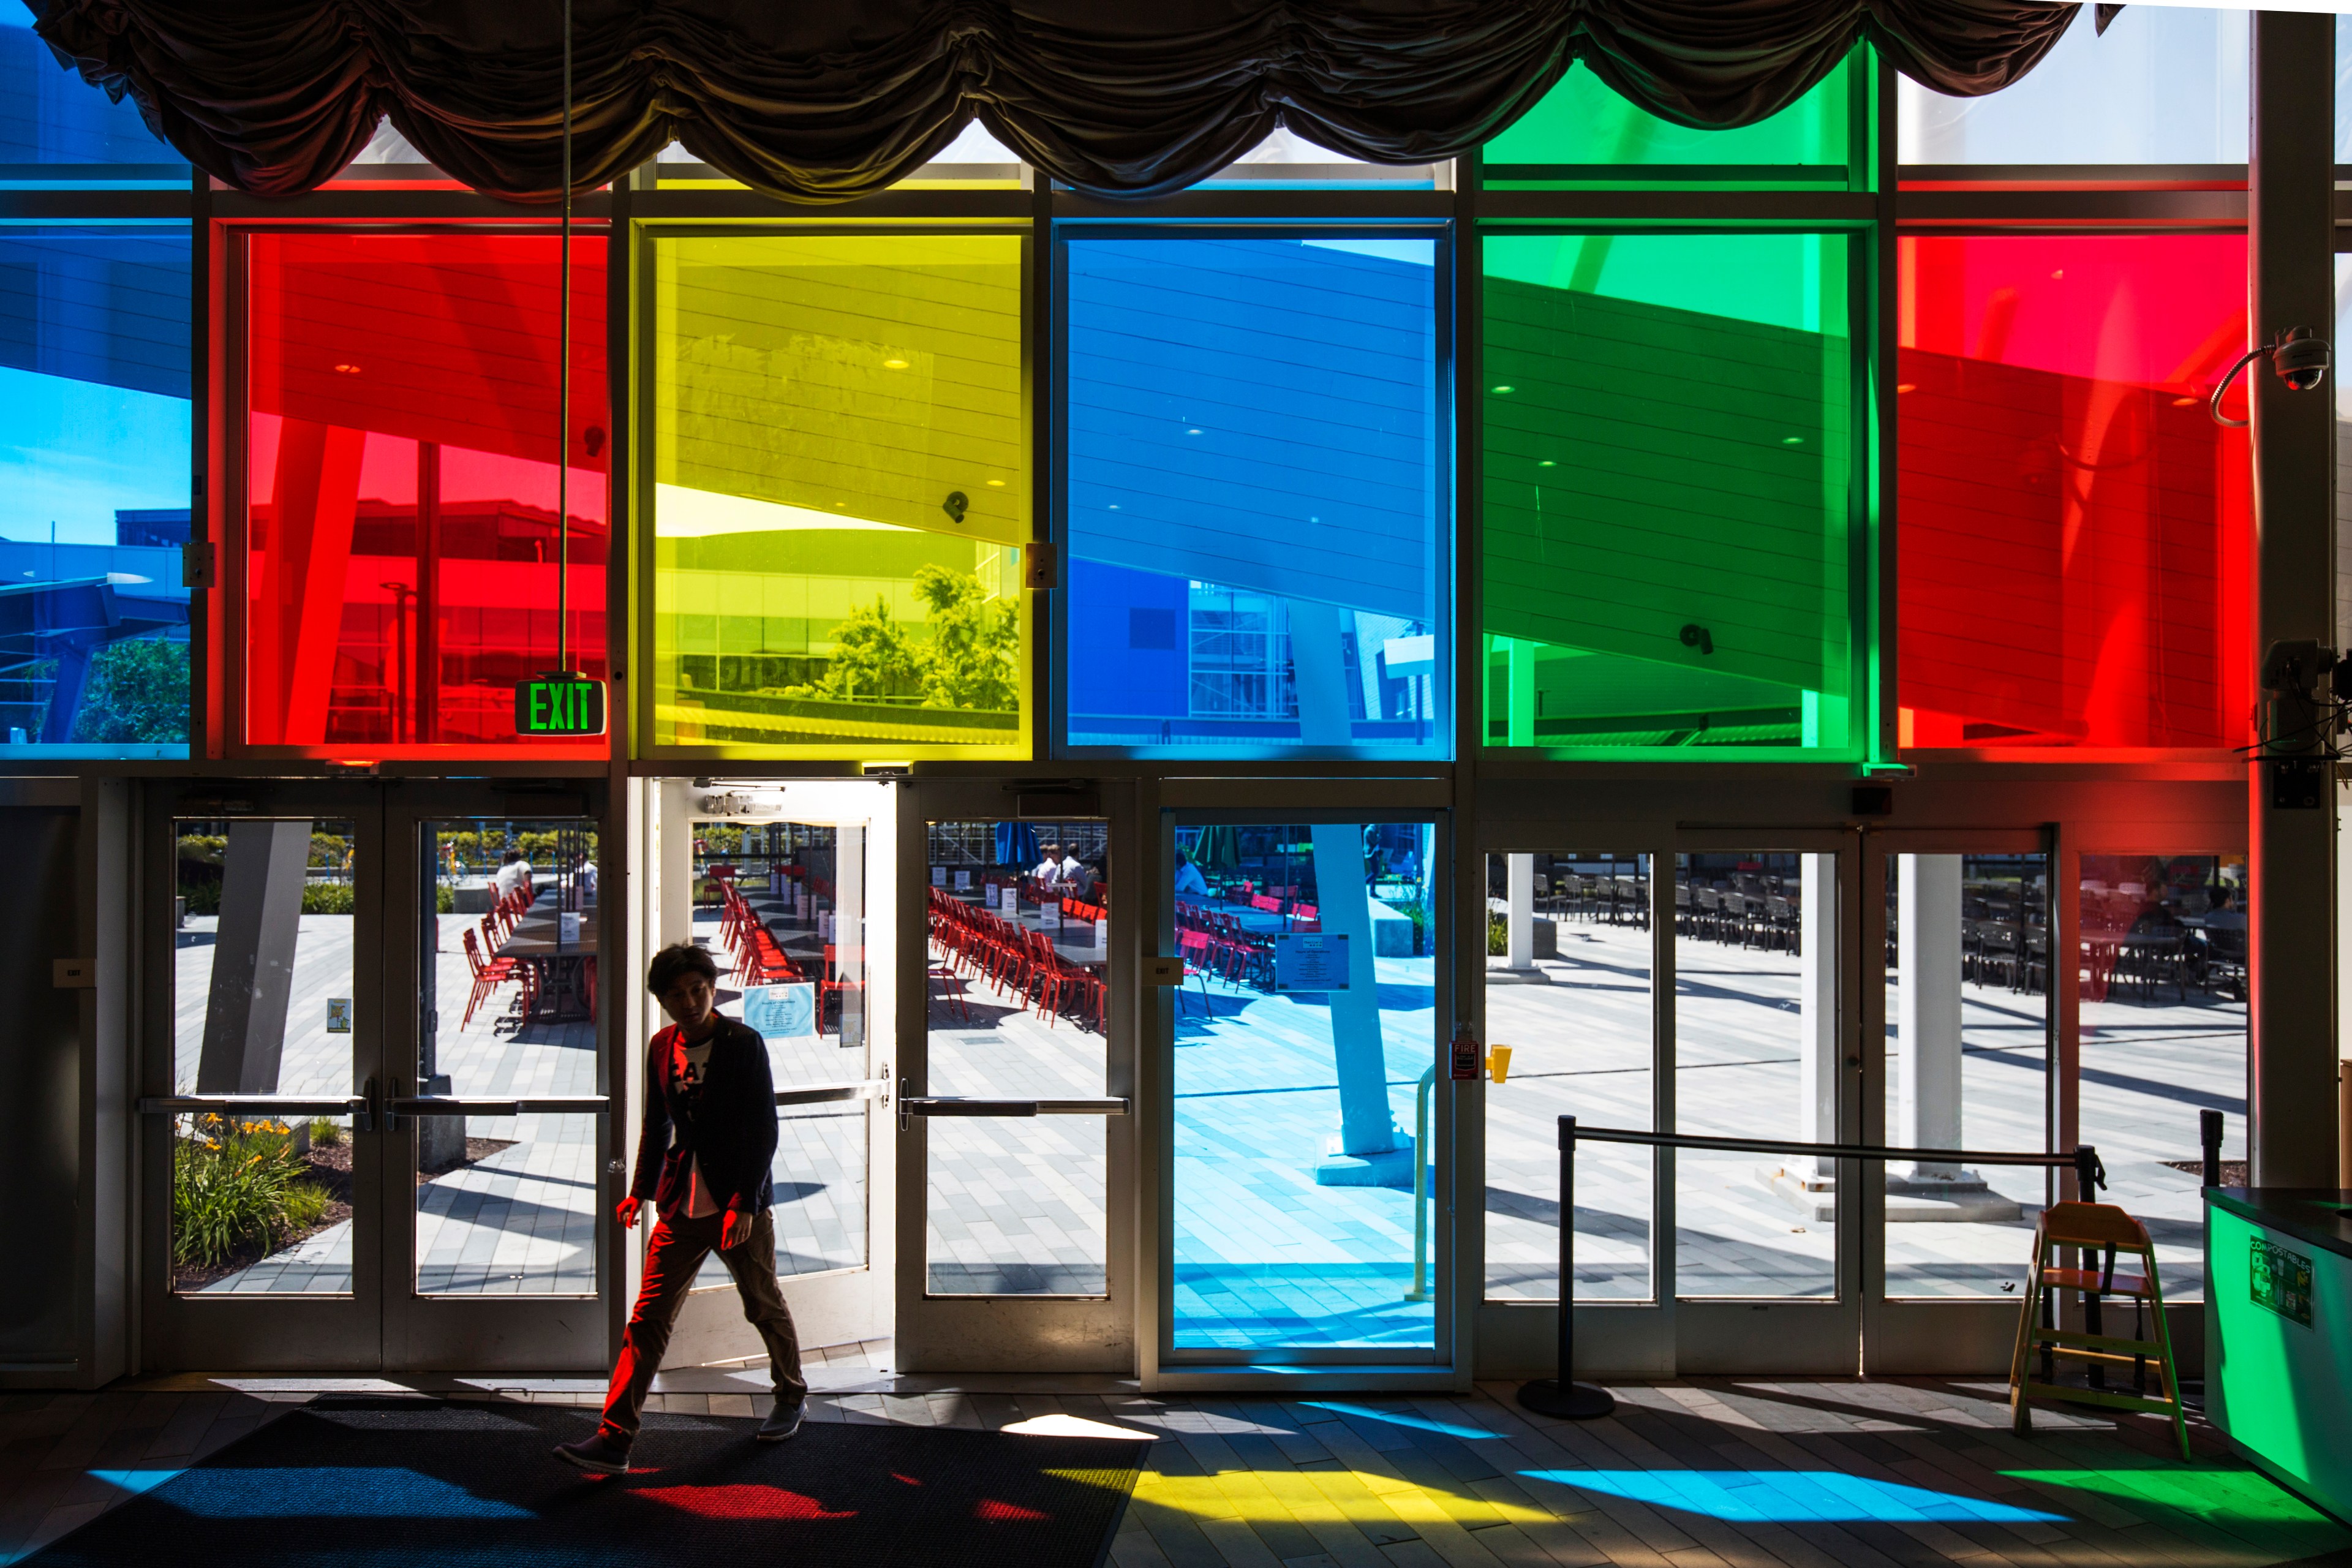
(287, 1104)
(1561, 1395)
(471, 1105)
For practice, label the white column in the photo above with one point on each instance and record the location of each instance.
(1927, 1010)
(1520, 922)
(1519, 678)
(1817, 1045)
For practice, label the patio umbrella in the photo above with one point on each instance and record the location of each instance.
(1016, 845)
(1219, 848)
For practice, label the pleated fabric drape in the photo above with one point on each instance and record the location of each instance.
(823, 102)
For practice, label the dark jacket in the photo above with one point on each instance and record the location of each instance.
(731, 1125)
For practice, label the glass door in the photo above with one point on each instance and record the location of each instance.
(1016, 1145)
(494, 1104)
(1968, 1029)
(263, 1066)
(791, 887)
(1766, 1022)
(1307, 1173)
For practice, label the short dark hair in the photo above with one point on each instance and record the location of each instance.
(675, 962)
(510, 856)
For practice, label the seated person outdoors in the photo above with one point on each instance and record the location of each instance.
(1190, 883)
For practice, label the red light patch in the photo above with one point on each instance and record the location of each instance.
(989, 1508)
(909, 1480)
(741, 1500)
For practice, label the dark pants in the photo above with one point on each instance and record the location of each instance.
(679, 1245)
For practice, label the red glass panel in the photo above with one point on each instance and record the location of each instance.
(403, 564)
(2076, 532)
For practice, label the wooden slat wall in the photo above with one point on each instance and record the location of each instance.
(1700, 473)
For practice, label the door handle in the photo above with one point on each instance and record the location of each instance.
(466, 1105)
(981, 1105)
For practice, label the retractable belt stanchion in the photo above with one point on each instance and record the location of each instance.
(1560, 1395)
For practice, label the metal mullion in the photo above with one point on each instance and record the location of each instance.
(1665, 858)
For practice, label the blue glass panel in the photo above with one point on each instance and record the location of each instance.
(49, 116)
(93, 491)
(1254, 501)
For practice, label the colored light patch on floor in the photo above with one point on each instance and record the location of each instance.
(327, 1492)
(1766, 1497)
(2229, 1499)
(741, 1500)
(1400, 1418)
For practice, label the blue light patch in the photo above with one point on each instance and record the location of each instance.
(1399, 1419)
(333, 1491)
(1761, 1497)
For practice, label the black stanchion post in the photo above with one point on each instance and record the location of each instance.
(1562, 1397)
(2209, 1135)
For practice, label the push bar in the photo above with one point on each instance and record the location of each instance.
(1562, 1396)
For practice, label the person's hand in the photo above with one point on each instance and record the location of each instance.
(626, 1211)
(736, 1231)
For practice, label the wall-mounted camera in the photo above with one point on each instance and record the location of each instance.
(2299, 357)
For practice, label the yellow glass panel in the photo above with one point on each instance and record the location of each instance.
(842, 495)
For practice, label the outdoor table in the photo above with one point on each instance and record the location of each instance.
(562, 966)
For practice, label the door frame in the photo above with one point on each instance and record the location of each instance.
(1972, 1334)
(837, 1306)
(1071, 1335)
(485, 1333)
(1309, 801)
(288, 1332)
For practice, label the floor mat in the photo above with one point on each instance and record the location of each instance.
(458, 1484)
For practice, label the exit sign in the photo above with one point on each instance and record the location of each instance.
(559, 704)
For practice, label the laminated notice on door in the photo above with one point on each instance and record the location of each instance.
(1313, 961)
(339, 1015)
(781, 1012)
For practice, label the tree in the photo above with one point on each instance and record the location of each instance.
(971, 662)
(872, 657)
(137, 691)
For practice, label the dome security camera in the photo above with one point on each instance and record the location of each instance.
(2298, 356)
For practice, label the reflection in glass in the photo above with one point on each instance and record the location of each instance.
(262, 1004)
(781, 907)
(405, 564)
(1967, 1001)
(2157, 84)
(1756, 1057)
(1019, 965)
(2164, 1039)
(1257, 560)
(93, 487)
(507, 1205)
(1568, 990)
(1668, 470)
(841, 465)
(1305, 1046)
(2076, 528)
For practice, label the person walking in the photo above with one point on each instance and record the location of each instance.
(707, 1140)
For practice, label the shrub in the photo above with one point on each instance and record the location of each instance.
(326, 1133)
(327, 898)
(238, 1183)
(1499, 935)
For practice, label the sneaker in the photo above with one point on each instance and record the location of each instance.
(597, 1454)
(783, 1421)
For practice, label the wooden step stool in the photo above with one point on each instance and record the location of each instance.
(2107, 1229)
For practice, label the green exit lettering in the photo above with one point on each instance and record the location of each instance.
(559, 705)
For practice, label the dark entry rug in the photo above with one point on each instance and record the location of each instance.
(378, 1482)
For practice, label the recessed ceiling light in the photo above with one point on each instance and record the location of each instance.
(347, 370)
(1547, 463)
(894, 365)
(1906, 386)
(2184, 402)
(996, 484)
(1193, 432)
(1507, 389)
(1792, 440)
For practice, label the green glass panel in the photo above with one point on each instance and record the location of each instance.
(1584, 125)
(841, 495)
(1668, 462)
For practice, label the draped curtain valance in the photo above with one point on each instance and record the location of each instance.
(821, 102)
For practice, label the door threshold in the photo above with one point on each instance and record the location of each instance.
(1264, 1378)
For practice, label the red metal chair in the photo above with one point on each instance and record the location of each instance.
(488, 975)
